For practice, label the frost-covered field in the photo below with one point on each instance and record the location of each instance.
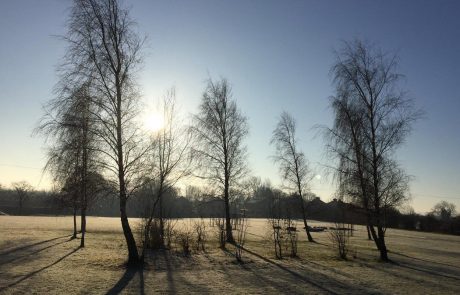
(36, 256)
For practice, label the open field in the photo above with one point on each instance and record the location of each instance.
(36, 256)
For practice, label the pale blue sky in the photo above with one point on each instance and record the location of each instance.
(277, 56)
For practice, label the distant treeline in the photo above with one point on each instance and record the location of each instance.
(265, 203)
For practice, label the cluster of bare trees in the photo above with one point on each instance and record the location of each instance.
(72, 157)
(92, 119)
(97, 144)
(372, 119)
(93, 128)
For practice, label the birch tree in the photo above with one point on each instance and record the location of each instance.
(219, 130)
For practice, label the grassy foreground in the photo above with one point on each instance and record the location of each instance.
(37, 256)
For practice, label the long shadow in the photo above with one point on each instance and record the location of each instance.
(328, 280)
(168, 268)
(427, 271)
(39, 270)
(169, 272)
(281, 287)
(425, 260)
(31, 245)
(416, 268)
(129, 274)
(166, 261)
(293, 273)
(390, 272)
(31, 253)
(334, 270)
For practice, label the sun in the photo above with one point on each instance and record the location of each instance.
(153, 122)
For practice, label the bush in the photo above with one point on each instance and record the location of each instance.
(201, 235)
(340, 237)
(184, 239)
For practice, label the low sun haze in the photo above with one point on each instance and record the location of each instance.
(277, 57)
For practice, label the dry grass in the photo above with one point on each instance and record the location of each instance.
(36, 256)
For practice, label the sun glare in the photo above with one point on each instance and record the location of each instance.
(153, 122)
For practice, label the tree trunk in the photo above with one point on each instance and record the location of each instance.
(83, 227)
(379, 239)
(304, 217)
(20, 205)
(228, 223)
(74, 223)
(133, 255)
(383, 248)
(162, 227)
(369, 237)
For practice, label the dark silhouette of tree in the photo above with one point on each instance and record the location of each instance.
(219, 130)
(292, 163)
(372, 119)
(169, 158)
(73, 158)
(104, 51)
(23, 190)
(444, 210)
(68, 197)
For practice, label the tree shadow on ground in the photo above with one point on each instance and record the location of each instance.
(427, 269)
(431, 268)
(127, 277)
(21, 248)
(425, 260)
(172, 264)
(319, 280)
(398, 270)
(33, 273)
(24, 251)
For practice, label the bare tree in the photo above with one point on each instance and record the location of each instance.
(444, 210)
(219, 130)
(23, 189)
(68, 197)
(104, 50)
(292, 162)
(372, 118)
(170, 159)
(69, 122)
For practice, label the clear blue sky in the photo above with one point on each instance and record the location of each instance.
(277, 56)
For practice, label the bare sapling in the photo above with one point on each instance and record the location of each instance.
(340, 237)
(185, 239)
(169, 231)
(151, 234)
(201, 235)
(276, 236)
(291, 236)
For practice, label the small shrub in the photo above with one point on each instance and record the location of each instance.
(169, 231)
(201, 235)
(276, 236)
(340, 237)
(292, 238)
(151, 234)
(241, 229)
(184, 240)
